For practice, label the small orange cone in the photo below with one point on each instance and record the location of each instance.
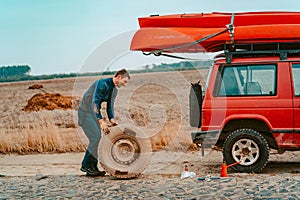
(223, 171)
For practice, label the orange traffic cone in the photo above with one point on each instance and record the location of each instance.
(223, 171)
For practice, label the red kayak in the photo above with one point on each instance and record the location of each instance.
(184, 40)
(166, 35)
(219, 20)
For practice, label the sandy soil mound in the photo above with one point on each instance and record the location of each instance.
(48, 101)
(35, 86)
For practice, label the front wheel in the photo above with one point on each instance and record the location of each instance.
(249, 148)
(124, 154)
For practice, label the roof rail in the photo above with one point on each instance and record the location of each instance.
(255, 49)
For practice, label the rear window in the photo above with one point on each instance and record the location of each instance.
(246, 80)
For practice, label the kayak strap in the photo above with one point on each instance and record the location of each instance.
(169, 55)
(158, 52)
(229, 28)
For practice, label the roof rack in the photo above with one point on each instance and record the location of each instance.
(255, 49)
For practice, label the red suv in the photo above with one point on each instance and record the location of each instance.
(250, 104)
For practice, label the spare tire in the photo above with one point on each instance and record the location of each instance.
(124, 154)
(195, 99)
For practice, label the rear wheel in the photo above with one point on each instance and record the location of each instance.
(124, 154)
(249, 148)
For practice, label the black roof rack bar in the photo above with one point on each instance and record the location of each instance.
(263, 46)
(281, 49)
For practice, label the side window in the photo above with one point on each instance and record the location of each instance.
(296, 79)
(252, 80)
(229, 85)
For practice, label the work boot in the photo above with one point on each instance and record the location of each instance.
(92, 171)
(96, 173)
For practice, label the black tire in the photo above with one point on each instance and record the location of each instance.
(124, 154)
(248, 147)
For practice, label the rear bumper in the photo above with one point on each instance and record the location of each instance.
(198, 137)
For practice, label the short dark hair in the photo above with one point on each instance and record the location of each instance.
(123, 73)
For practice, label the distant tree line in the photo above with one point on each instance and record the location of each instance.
(184, 65)
(21, 72)
(15, 70)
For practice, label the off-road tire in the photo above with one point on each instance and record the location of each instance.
(124, 154)
(248, 147)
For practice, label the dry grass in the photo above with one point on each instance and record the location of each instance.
(38, 137)
(164, 137)
(172, 137)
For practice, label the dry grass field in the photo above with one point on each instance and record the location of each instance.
(45, 119)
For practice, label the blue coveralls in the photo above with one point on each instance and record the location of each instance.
(89, 112)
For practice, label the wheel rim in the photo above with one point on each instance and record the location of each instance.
(245, 151)
(125, 151)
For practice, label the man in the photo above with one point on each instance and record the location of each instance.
(91, 120)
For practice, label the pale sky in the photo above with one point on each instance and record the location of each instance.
(60, 36)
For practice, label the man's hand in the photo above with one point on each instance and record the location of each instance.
(113, 122)
(104, 126)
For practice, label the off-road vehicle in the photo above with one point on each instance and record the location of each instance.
(250, 104)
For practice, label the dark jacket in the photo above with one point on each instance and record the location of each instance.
(102, 90)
